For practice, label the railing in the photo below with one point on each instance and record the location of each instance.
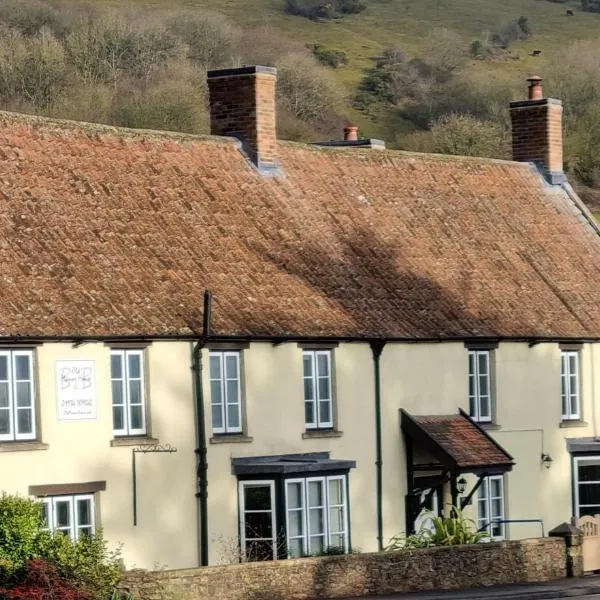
(501, 521)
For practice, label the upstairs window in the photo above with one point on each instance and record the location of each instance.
(72, 515)
(318, 403)
(225, 392)
(570, 387)
(480, 396)
(128, 397)
(17, 397)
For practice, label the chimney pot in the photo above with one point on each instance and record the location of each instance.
(536, 92)
(350, 133)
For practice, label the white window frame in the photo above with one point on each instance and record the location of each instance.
(568, 398)
(75, 527)
(14, 434)
(123, 354)
(316, 401)
(327, 533)
(577, 461)
(224, 402)
(242, 514)
(485, 495)
(476, 398)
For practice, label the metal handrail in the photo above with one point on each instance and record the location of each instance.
(495, 521)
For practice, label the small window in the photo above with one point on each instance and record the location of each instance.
(72, 515)
(225, 392)
(490, 504)
(570, 390)
(480, 386)
(128, 395)
(17, 395)
(318, 402)
(316, 515)
(587, 486)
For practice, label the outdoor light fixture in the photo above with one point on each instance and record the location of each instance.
(461, 485)
(546, 460)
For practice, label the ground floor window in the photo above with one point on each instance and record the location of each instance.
(490, 505)
(587, 485)
(73, 515)
(293, 517)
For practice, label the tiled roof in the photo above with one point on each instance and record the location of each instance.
(468, 445)
(107, 232)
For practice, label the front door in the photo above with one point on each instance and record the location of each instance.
(257, 520)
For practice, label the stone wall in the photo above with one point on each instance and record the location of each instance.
(357, 574)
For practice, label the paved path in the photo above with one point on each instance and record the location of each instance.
(587, 587)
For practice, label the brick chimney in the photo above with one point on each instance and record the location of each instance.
(537, 131)
(242, 105)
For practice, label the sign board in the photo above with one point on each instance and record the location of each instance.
(76, 393)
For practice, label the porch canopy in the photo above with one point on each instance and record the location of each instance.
(456, 443)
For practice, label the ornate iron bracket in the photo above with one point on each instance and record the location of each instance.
(145, 449)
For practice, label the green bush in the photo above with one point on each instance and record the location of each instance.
(328, 57)
(324, 9)
(86, 564)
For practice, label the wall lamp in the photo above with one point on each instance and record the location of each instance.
(546, 460)
(461, 485)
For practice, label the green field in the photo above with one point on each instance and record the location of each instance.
(405, 23)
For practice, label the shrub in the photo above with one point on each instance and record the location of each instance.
(324, 9)
(330, 58)
(29, 17)
(511, 31)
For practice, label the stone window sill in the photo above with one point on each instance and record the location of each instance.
(487, 426)
(137, 440)
(573, 423)
(22, 446)
(231, 438)
(324, 433)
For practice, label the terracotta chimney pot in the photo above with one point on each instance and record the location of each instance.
(536, 92)
(350, 133)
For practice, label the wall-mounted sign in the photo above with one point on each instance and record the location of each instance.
(76, 389)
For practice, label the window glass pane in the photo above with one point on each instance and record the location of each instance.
(308, 389)
(134, 365)
(84, 531)
(84, 512)
(295, 523)
(315, 493)
(294, 495)
(323, 365)
(137, 419)
(62, 516)
(496, 487)
(295, 548)
(117, 392)
(325, 412)
(4, 422)
(317, 524)
(589, 471)
(497, 530)
(483, 385)
(118, 422)
(336, 491)
(308, 365)
(232, 391)
(484, 407)
(215, 366)
(135, 392)
(472, 407)
(496, 509)
(482, 363)
(259, 550)
(336, 519)
(471, 385)
(45, 514)
(233, 416)
(258, 525)
(3, 368)
(589, 493)
(257, 497)
(316, 545)
(337, 541)
(589, 510)
(23, 393)
(215, 392)
(217, 416)
(231, 363)
(116, 366)
(471, 363)
(309, 412)
(24, 421)
(22, 367)
(574, 405)
(3, 395)
(323, 388)
(573, 363)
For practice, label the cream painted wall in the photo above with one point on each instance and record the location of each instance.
(80, 451)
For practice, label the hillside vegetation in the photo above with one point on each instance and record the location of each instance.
(430, 75)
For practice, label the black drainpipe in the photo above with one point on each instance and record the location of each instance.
(377, 349)
(202, 462)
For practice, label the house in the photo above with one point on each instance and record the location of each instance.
(212, 343)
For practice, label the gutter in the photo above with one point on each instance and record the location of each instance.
(201, 450)
(376, 349)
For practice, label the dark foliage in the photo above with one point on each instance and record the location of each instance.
(324, 9)
(328, 57)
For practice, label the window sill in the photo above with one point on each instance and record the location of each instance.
(573, 423)
(231, 438)
(487, 426)
(137, 440)
(321, 433)
(22, 446)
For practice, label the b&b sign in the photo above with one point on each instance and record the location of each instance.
(76, 393)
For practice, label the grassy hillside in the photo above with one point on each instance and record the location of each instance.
(405, 23)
